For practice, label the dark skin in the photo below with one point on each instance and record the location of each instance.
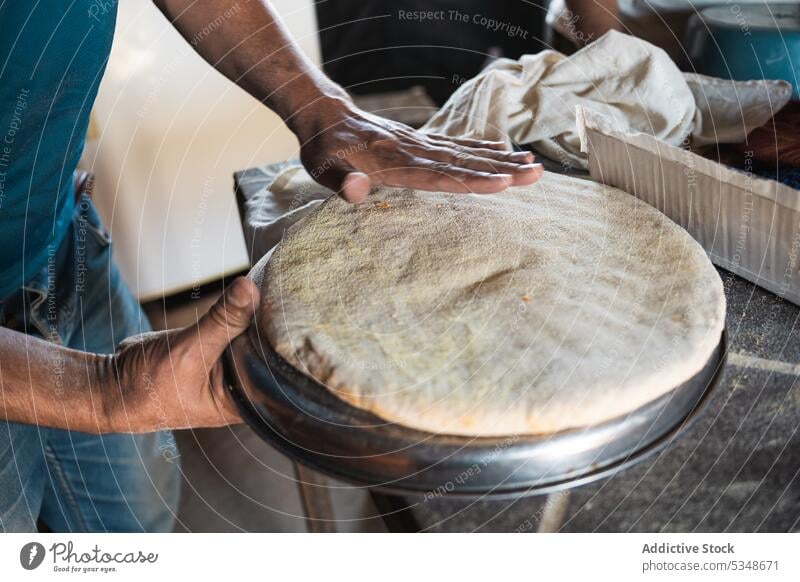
(173, 379)
(170, 379)
(252, 48)
(594, 18)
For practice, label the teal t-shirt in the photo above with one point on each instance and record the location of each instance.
(52, 57)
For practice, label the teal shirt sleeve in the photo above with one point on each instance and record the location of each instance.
(53, 54)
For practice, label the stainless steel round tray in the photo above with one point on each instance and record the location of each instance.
(312, 426)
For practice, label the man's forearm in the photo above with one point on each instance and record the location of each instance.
(49, 385)
(154, 381)
(593, 18)
(245, 40)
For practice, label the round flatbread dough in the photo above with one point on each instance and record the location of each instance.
(549, 307)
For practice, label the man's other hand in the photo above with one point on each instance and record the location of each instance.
(173, 379)
(349, 151)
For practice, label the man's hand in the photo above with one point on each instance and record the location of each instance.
(155, 381)
(173, 379)
(349, 150)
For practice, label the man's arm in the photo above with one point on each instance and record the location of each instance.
(591, 19)
(342, 147)
(42, 383)
(154, 381)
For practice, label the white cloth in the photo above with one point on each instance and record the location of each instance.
(533, 100)
(273, 199)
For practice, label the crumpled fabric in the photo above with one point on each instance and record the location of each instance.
(533, 100)
(272, 199)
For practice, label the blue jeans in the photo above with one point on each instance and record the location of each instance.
(71, 481)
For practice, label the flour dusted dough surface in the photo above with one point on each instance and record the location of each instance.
(554, 306)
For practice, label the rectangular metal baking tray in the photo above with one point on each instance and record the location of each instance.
(747, 225)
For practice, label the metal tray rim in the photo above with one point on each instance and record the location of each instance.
(508, 487)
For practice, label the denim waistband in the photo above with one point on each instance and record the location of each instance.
(46, 304)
